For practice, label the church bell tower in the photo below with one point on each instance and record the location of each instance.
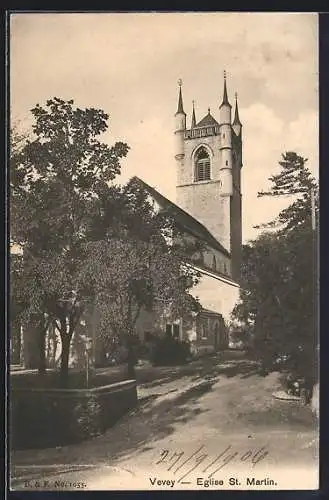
(209, 159)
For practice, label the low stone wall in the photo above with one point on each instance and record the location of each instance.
(53, 417)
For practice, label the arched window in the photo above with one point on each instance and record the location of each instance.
(214, 263)
(202, 165)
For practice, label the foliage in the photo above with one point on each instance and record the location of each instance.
(277, 299)
(55, 178)
(170, 352)
(294, 178)
(137, 266)
(238, 333)
(87, 415)
(87, 242)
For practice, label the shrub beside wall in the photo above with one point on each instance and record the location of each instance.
(168, 351)
(54, 417)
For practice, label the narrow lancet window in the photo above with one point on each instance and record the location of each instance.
(202, 165)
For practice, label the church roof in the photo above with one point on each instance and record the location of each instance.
(210, 311)
(207, 121)
(184, 220)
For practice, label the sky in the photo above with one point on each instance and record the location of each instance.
(129, 64)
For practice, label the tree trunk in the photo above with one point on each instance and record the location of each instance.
(42, 348)
(33, 344)
(64, 368)
(131, 359)
(16, 347)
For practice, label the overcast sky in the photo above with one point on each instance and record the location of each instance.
(129, 64)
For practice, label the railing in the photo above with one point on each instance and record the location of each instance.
(201, 132)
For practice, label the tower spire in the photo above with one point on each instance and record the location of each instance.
(225, 101)
(237, 125)
(193, 123)
(180, 108)
(236, 120)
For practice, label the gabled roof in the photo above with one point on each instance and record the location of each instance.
(207, 121)
(209, 311)
(184, 220)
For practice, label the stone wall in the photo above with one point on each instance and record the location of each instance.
(54, 417)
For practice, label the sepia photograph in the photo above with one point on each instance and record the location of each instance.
(163, 298)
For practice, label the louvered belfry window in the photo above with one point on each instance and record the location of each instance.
(202, 165)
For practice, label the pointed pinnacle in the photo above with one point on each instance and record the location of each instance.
(225, 97)
(180, 108)
(236, 120)
(193, 124)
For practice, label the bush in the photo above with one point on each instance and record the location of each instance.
(115, 352)
(87, 415)
(168, 351)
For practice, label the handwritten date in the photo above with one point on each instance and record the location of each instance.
(178, 461)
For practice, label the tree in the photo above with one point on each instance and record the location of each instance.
(87, 242)
(137, 265)
(294, 178)
(277, 297)
(55, 179)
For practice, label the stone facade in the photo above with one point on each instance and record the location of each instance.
(204, 202)
(207, 333)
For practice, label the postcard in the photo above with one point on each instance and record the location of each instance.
(164, 251)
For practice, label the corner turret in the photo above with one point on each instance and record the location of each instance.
(180, 122)
(226, 144)
(225, 108)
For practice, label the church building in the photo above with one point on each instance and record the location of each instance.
(208, 157)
